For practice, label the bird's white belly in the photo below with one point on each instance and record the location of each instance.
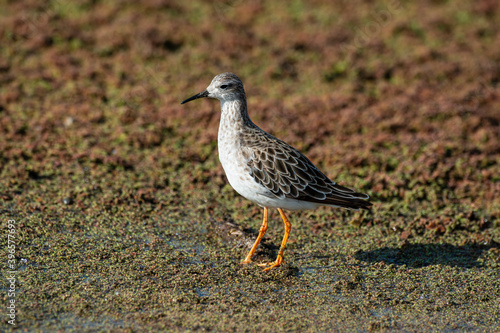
(238, 175)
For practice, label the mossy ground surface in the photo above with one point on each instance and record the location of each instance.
(122, 207)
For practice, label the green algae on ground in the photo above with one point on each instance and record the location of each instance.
(121, 203)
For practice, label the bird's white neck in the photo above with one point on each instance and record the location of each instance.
(234, 115)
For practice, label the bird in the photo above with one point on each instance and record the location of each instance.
(267, 170)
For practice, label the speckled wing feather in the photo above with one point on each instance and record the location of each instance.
(286, 172)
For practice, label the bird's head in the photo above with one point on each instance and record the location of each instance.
(225, 87)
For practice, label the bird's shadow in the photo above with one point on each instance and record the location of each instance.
(422, 255)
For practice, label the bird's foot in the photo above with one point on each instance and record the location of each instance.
(273, 264)
(264, 264)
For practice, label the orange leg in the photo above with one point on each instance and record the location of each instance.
(262, 231)
(288, 227)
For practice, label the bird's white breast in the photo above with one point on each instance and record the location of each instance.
(235, 165)
(234, 159)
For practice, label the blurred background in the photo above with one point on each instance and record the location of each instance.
(97, 156)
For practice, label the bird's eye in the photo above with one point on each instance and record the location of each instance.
(224, 86)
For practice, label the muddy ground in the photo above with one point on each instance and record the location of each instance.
(124, 220)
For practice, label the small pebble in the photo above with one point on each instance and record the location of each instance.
(68, 201)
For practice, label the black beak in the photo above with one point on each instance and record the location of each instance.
(200, 95)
